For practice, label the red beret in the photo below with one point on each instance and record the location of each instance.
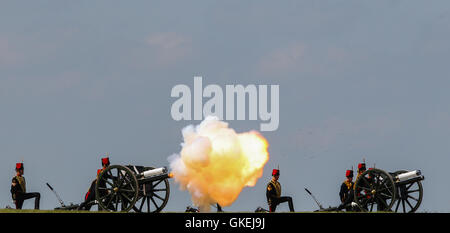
(19, 166)
(275, 172)
(105, 161)
(349, 173)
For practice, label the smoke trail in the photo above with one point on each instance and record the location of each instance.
(216, 163)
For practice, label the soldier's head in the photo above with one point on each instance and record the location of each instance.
(361, 168)
(276, 174)
(105, 162)
(349, 175)
(19, 168)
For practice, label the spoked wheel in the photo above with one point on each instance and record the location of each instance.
(375, 191)
(116, 189)
(409, 196)
(153, 196)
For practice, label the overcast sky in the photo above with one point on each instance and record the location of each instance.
(358, 79)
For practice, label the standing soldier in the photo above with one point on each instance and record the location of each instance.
(273, 193)
(19, 189)
(89, 198)
(361, 168)
(346, 193)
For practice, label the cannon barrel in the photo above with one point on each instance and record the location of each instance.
(409, 177)
(154, 174)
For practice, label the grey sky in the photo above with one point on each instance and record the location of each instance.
(357, 79)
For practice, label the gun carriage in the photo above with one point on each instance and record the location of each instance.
(133, 188)
(378, 190)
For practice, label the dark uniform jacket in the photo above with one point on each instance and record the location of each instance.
(346, 191)
(273, 191)
(19, 188)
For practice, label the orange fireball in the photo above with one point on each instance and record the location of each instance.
(216, 163)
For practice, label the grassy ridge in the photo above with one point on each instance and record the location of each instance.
(84, 211)
(47, 211)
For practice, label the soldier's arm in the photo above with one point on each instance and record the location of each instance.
(271, 191)
(14, 188)
(17, 187)
(342, 192)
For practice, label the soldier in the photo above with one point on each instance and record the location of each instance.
(346, 193)
(89, 198)
(361, 169)
(363, 192)
(273, 193)
(19, 190)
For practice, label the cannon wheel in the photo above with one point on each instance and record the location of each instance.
(153, 196)
(116, 185)
(375, 187)
(409, 195)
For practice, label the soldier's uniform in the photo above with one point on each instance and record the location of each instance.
(89, 198)
(346, 193)
(273, 194)
(359, 191)
(19, 190)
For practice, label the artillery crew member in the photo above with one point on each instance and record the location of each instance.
(19, 189)
(358, 191)
(346, 193)
(361, 169)
(273, 193)
(89, 198)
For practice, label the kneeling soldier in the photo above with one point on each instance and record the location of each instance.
(89, 198)
(19, 189)
(346, 193)
(273, 193)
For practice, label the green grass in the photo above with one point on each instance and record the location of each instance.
(47, 211)
(73, 211)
